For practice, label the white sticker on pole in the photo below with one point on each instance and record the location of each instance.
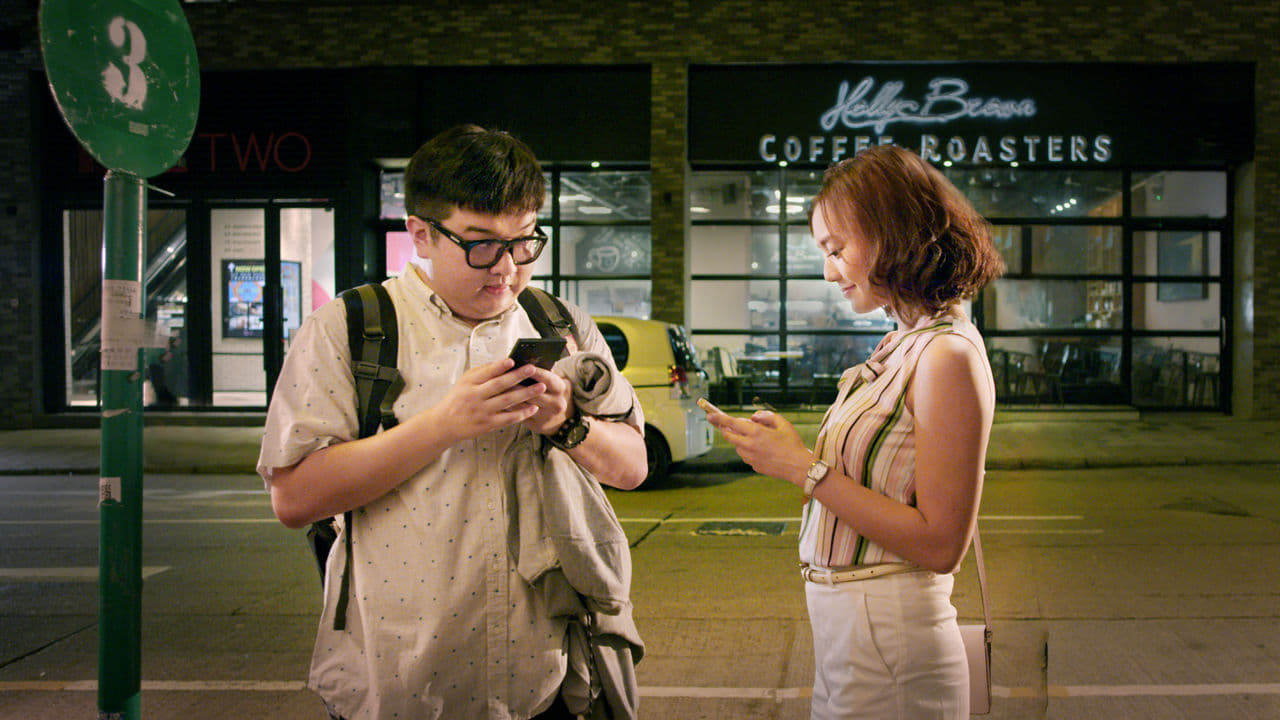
(121, 311)
(109, 490)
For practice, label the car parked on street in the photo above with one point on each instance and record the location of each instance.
(659, 361)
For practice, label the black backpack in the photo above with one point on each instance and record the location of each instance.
(374, 343)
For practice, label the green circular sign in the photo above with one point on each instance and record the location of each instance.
(125, 76)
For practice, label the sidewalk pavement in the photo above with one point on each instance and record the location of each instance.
(1020, 439)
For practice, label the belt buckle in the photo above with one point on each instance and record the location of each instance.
(822, 577)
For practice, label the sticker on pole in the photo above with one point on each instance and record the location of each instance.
(125, 76)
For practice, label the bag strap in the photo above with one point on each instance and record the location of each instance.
(982, 581)
(549, 316)
(374, 344)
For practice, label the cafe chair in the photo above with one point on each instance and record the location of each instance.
(727, 383)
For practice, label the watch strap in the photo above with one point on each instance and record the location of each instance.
(568, 435)
(818, 471)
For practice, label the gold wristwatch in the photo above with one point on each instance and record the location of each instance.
(817, 473)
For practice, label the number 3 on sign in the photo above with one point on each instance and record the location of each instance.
(133, 91)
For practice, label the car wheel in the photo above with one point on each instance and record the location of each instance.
(658, 454)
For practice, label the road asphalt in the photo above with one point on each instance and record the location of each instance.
(1021, 439)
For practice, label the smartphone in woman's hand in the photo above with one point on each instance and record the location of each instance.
(708, 408)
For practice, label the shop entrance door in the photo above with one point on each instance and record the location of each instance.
(270, 266)
(226, 288)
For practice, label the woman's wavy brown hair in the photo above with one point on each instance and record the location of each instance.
(929, 247)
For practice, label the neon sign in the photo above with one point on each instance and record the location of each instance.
(864, 107)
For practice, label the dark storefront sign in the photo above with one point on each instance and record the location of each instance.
(1076, 114)
(301, 133)
(257, 135)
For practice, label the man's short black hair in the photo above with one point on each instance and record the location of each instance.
(486, 171)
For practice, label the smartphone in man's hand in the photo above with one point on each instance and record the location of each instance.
(542, 352)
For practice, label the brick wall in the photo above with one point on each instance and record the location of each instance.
(19, 301)
(667, 36)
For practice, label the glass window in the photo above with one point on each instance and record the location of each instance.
(82, 304)
(818, 304)
(734, 196)
(734, 250)
(1080, 370)
(604, 250)
(1179, 194)
(735, 345)
(1062, 232)
(803, 256)
(604, 195)
(544, 212)
(1015, 304)
(1075, 249)
(392, 194)
(1192, 253)
(1177, 306)
(166, 363)
(631, 298)
(1014, 192)
(543, 265)
(1008, 241)
(1176, 372)
(734, 304)
(823, 358)
(802, 185)
(307, 273)
(238, 239)
(739, 366)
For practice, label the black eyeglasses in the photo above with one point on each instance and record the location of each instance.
(482, 254)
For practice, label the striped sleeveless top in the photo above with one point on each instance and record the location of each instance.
(869, 435)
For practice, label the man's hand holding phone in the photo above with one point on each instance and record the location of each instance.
(541, 352)
(556, 404)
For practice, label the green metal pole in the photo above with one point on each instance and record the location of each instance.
(120, 484)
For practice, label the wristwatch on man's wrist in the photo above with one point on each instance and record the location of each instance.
(571, 433)
(818, 470)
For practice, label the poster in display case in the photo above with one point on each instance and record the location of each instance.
(244, 282)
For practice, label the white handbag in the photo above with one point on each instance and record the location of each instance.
(977, 643)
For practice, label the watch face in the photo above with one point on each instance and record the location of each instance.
(818, 470)
(572, 433)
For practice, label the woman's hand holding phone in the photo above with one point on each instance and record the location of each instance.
(708, 408)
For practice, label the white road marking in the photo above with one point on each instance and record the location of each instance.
(150, 521)
(795, 520)
(1042, 531)
(630, 520)
(65, 574)
(676, 692)
(1206, 689)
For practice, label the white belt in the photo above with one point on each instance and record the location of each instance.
(833, 577)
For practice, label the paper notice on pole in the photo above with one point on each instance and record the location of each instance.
(121, 321)
(109, 490)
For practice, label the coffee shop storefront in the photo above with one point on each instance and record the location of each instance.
(1111, 189)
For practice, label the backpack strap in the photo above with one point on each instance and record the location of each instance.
(549, 316)
(374, 341)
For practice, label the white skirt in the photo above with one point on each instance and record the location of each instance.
(887, 648)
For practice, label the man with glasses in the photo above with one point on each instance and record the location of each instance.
(438, 622)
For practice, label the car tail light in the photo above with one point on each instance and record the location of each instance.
(679, 379)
